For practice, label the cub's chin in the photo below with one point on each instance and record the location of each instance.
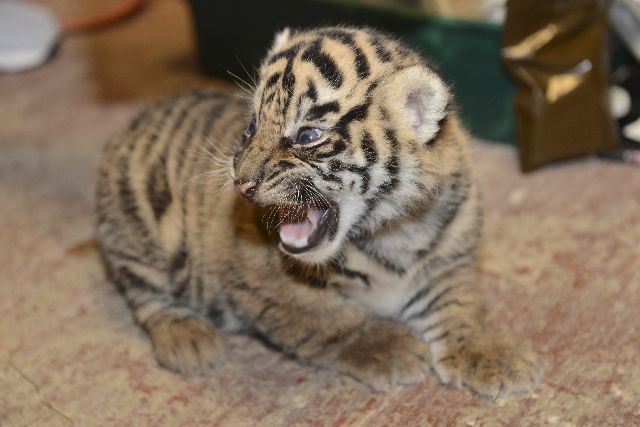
(307, 231)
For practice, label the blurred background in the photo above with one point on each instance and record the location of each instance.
(559, 78)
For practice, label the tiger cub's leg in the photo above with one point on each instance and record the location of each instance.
(184, 340)
(324, 330)
(465, 351)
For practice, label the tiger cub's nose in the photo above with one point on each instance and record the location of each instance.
(247, 188)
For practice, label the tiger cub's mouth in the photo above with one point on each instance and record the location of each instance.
(303, 227)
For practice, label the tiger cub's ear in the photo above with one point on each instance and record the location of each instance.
(417, 99)
(281, 38)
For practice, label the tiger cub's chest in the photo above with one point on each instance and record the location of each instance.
(372, 285)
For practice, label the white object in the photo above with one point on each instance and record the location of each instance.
(619, 102)
(28, 34)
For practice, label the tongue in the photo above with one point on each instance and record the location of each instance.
(296, 232)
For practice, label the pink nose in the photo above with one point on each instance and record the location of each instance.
(247, 189)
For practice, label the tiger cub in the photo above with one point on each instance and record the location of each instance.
(349, 239)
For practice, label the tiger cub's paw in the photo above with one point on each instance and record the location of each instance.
(491, 365)
(384, 354)
(188, 345)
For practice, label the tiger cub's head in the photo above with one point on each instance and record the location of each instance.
(345, 136)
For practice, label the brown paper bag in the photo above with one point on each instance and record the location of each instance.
(556, 50)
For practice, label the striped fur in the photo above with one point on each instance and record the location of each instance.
(387, 292)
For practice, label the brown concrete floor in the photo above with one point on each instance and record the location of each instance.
(560, 264)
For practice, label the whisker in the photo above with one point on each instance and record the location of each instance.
(255, 84)
(247, 86)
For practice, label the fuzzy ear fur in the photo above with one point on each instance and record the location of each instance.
(281, 38)
(418, 100)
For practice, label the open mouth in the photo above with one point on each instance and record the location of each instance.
(303, 227)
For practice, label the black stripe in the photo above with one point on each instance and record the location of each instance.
(359, 113)
(282, 166)
(323, 62)
(212, 115)
(179, 260)
(369, 149)
(372, 87)
(286, 142)
(440, 261)
(278, 181)
(273, 175)
(426, 311)
(337, 34)
(459, 189)
(338, 147)
(312, 91)
(215, 111)
(431, 327)
(215, 313)
(384, 55)
(127, 279)
(337, 166)
(361, 62)
(298, 109)
(269, 304)
(288, 85)
(305, 339)
(179, 263)
(201, 220)
(263, 101)
(171, 106)
(362, 172)
(268, 100)
(289, 53)
(422, 292)
(160, 124)
(439, 337)
(351, 274)
(433, 280)
(387, 264)
(187, 143)
(390, 134)
(137, 121)
(393, 164)
(179, 287)
(118, 254)
(318, 111)
(288, 79)
(158, 192)
(326, 344)
(272, 80)
(128, 200)
(324, 175)
(447, 304)
(357, 231)
(377, 258)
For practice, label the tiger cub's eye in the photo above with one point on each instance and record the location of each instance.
(250, 129)
(307, 135)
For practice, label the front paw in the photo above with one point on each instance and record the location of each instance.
(383, 354)
(186, 344)
(489, 364)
